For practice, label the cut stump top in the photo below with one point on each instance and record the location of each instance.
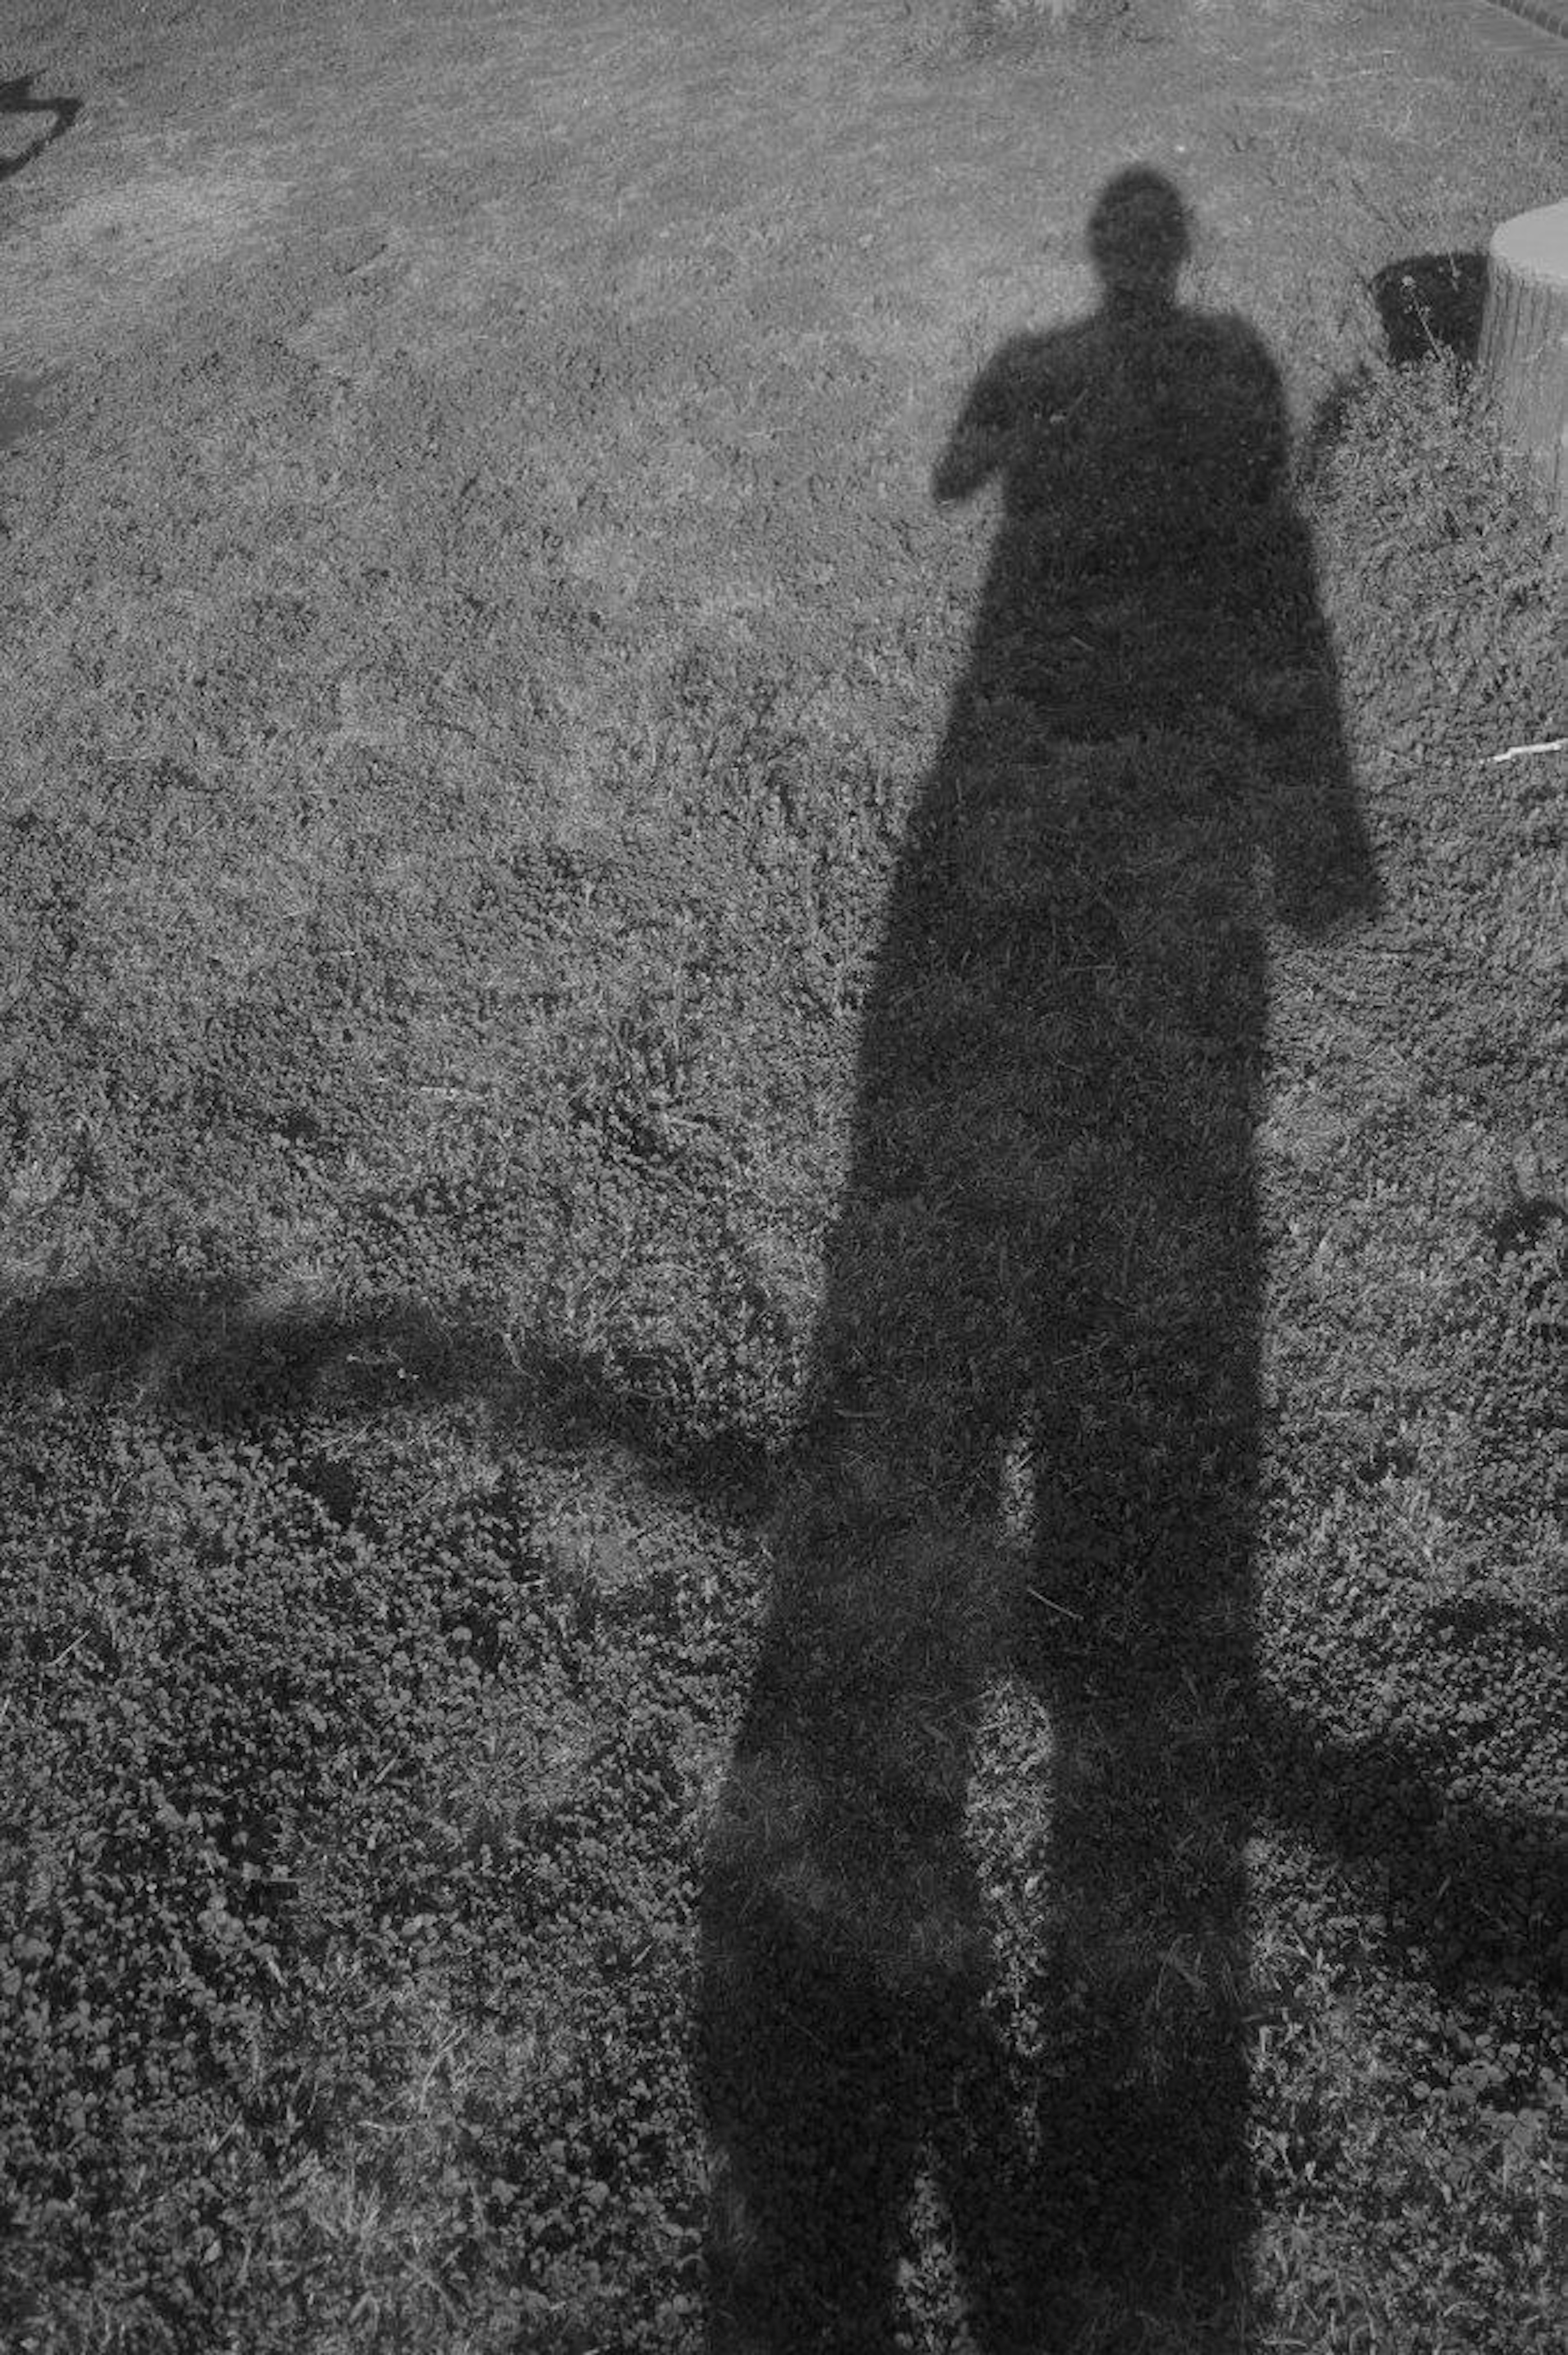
(1534, 245)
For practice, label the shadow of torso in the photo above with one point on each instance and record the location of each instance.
(1142, 566)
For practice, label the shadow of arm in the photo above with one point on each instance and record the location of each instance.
(978, 445)
(1325, 875)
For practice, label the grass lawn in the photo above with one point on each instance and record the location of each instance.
(783, 1186)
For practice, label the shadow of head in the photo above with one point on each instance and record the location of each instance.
(1139, 237)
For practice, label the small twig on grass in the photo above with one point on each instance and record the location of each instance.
(1047, 1604)
(1524, 751)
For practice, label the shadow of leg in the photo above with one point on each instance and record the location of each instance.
(840, 1922)
(811, 2075)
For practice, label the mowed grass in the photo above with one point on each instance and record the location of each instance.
(781, 1520)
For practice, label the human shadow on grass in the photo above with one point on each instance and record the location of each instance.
(1028, 1486)
(16, 98)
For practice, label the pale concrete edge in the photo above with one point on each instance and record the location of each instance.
(1547, 16)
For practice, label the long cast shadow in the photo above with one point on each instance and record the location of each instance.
(217, 1358)
(1032, 1466)
(16, 98)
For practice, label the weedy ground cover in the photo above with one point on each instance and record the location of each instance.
(784, 1190)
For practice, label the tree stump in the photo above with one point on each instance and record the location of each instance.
(1523, 357)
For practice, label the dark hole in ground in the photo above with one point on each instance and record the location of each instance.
(1431, 303)
(1427, 304)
